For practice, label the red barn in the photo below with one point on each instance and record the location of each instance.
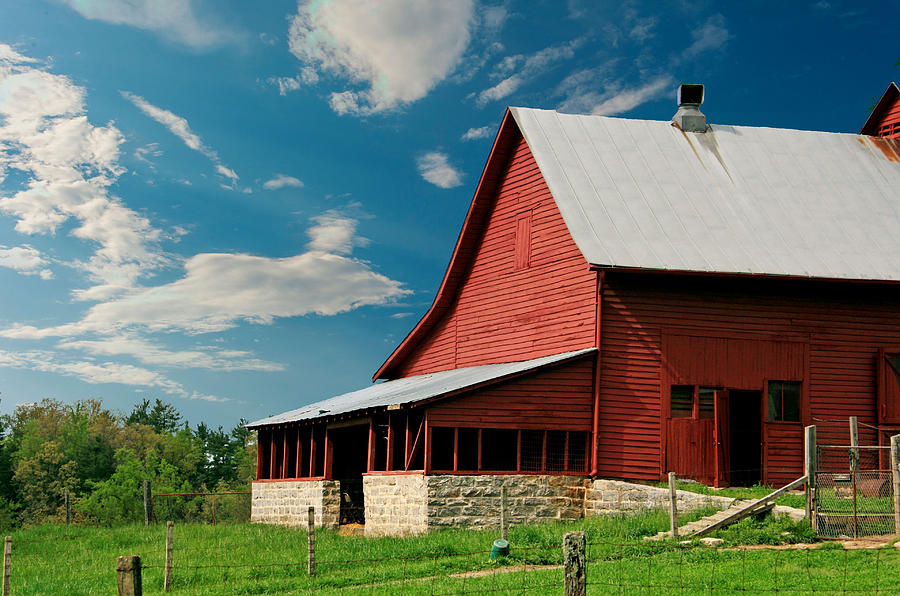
(626, 298)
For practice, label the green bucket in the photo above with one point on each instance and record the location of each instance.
(500, 548)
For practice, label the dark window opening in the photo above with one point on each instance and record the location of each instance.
(416, 441)
(556, 450)
(467, 455)
(784, 401)
(682, 401)
(263, 444)
(398, 435)
(319, 448)
(707, 402)
(498, 449)
(305, 451)
(441, 448)
(532, 450)
(380, 426)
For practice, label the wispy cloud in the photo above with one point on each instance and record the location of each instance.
(175, 20)
(25, 260)
(220, 290)
(517, 70)
(395, 50)
(712, 35)
(474, 134)
(627, 99)
(435, 167)
(282, 181)
(179, 127)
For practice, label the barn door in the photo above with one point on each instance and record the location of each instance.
(721, 438)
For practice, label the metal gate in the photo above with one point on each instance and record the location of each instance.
(853, 491)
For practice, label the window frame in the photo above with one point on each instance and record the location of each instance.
(768, 419)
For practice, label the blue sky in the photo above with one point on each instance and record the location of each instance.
(244, 210)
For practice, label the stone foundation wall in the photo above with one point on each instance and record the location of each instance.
(396, 504)
(474, 501)
(605, 497)
(287, 502)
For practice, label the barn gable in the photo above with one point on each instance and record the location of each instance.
(884, 121)
(517, 286)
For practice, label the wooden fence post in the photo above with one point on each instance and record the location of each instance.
(673, 505)
(575, 559)
(128, 576)
(311, 541)
(854, 444)
(148, 505)
(167, 579)
(809, 469)
(7, 564)
(504, 522)
(895, 477)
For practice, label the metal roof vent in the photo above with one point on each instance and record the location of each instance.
(689, 117)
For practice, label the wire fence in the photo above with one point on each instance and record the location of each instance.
(220, 561)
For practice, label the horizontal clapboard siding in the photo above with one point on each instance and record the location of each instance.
(556, 398)
(840, 325)
(502, 313)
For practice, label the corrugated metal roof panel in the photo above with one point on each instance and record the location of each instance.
(413, 389)
(736, 199)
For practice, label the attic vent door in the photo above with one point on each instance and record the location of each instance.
(523, 241)
(889, 390)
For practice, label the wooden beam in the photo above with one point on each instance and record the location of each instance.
(370, 464)
(272, 455)
(299, 460)
(753, 508)
(427, 445)
(389, 463)
(259, 435)
(594, 440)
(479, 449)
(407, 442)
(326, 472)
(312, 451)
(284, 455)
(455, 448)
(412, 451)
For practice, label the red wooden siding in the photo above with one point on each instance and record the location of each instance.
(514, 305)
(840, 326)
(558, 398)
(889, 126)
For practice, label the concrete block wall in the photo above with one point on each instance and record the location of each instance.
(608, 497)
(474, 501)
(396, 504)
(287, 502)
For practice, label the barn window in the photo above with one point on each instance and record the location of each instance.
(682, 401)
(690, 401)
(523, 242)
(784, 401)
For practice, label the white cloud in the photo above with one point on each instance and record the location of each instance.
(282, 181)
(579, 90)
(97, 373)
(69, 165)
(173, 19)
(396, 50)
(179, 127)
(519, 69)
(482, 132)
(435, 168)
(219, 291)
(205, 357)
(285, 84)
(642, 30)
(25, 260)
(711, 36)
(334, 233)
(147, 151)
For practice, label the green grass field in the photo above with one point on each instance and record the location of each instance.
(254, 559)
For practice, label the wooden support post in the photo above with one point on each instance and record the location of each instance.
(575, 559)
(673, 505)
(7, 564)
(809, 470)
(389, 463)
(370, 463)
(167, 579)
(854, 445)
(272, 454)
(504, 522)
(311, 541)
(895, 477)
(326, 472)
(128, 576)
(455, 448)
(148, 504)
(68, 509)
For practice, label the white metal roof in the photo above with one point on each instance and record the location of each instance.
(736, 199)
(412, 389)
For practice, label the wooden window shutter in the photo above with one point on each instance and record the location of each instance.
(523, 241)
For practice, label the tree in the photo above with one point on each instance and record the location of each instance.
(162, 417)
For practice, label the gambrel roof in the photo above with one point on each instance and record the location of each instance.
(735, 199)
